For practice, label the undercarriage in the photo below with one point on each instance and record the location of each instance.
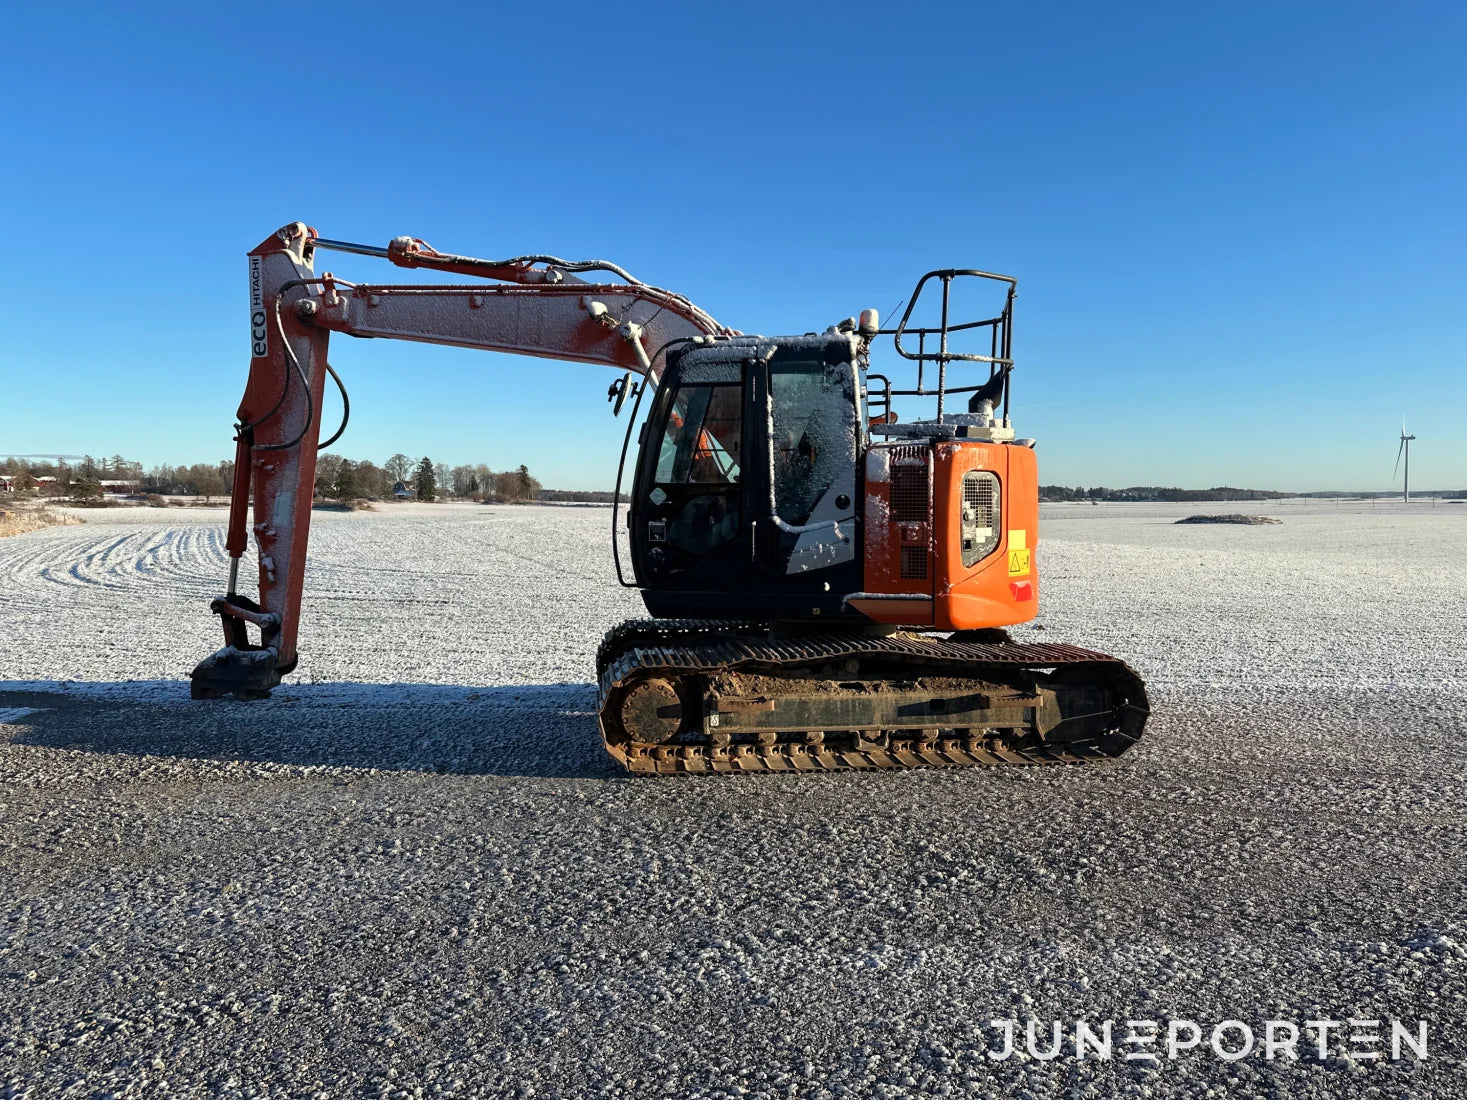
(698, 696)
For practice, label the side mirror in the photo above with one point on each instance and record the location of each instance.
(620, 390)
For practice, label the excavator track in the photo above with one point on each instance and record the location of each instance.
(679, 696)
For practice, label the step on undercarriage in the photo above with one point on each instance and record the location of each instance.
(700, 696)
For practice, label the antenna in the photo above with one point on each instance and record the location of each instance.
(1404, 448)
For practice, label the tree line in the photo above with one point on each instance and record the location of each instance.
(337, 477)
(341, 478)
(1155, 494)
(84, 477)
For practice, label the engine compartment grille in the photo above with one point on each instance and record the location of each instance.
(981, 514)
(909, 493)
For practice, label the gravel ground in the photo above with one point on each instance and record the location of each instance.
(413, 871)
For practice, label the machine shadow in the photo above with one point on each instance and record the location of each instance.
(537, 730)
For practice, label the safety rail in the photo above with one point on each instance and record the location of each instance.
(1000, 328)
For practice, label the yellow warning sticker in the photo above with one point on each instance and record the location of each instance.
(1020, 556)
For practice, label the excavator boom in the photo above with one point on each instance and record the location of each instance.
(544, 309)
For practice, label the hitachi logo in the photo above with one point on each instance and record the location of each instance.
(259, 342)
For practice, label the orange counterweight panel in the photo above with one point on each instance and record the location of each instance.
(951, 531)
(1000, 587)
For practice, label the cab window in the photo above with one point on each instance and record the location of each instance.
(701, 443)
(814, 422)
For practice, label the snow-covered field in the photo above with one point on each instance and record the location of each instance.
(413, 871)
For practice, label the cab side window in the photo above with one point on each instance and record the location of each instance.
(701, 443)
(814, 413)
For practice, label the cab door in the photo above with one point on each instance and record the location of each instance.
(689, 515)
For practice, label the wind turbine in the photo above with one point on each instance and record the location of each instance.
(1405, 448)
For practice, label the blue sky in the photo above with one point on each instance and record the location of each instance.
(1238, 229)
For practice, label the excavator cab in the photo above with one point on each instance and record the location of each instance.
(744, 499)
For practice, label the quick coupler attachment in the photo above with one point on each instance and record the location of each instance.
(241, 669)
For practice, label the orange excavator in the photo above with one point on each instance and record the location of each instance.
(827, 584)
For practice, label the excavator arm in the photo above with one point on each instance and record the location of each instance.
(536, 305)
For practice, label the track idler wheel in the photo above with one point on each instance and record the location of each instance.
(651, 712)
